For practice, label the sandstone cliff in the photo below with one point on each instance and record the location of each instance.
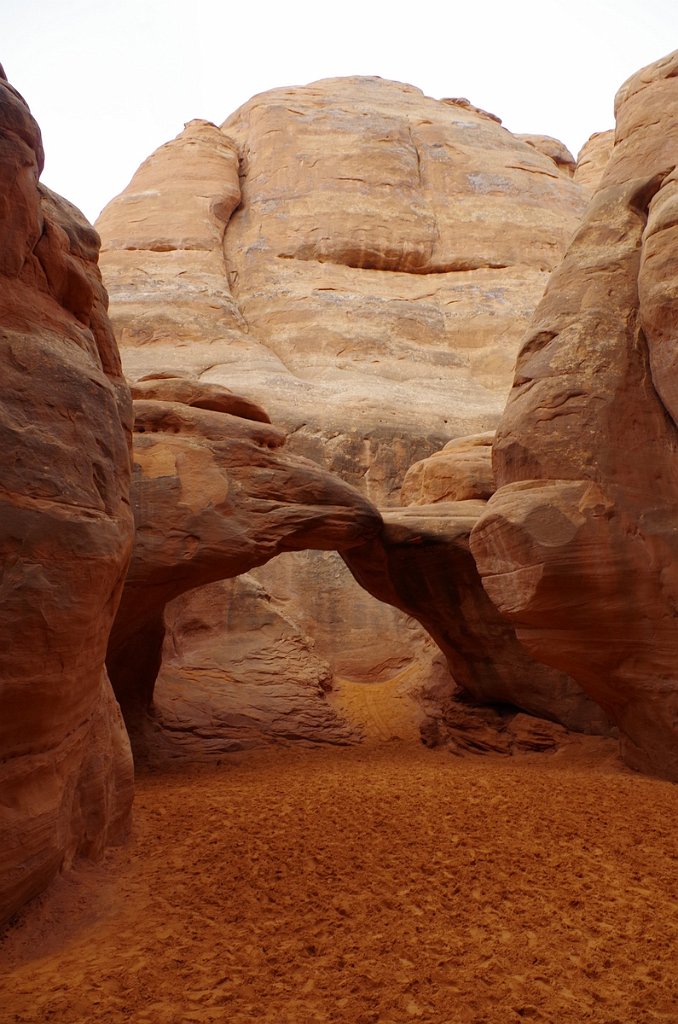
(578, 547)
(360, 259)
(354, 255)
(65, 529)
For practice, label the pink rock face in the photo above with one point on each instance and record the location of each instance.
(579, 545)
(214, 495)
(65, 529)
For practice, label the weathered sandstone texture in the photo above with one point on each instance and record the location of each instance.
(65, 529)
(214, 494)
(224, 686)
(592, 160)
(356, 256)
(421, 562)
(360, 259)
(554, 150)
(579, 546)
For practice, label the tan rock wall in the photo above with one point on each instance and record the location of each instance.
(592, 160)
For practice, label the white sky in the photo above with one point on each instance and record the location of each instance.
(110, 80)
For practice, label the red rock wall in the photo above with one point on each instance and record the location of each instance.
(65, 529)
(579, 546)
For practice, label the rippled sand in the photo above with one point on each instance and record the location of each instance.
(368, 886)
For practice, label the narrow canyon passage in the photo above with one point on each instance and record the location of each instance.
(372, 885)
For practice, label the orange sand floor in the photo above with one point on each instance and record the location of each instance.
(367, 886)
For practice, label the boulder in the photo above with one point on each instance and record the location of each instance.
(461, 471)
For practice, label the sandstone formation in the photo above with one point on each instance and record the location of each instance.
(554, 150)
(356, 256)
(592, 160)
(462, 470)
(214, 495)
(387, 248)
(578, 547)
(65, 529)
(421, 562)
(224, 686)
(361, 260)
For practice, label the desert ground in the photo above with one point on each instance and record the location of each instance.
(373, 885)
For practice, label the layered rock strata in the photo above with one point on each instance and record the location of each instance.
(65, 529)
(578, 548)
(353, 254)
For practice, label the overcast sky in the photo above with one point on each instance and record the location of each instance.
(110, 80)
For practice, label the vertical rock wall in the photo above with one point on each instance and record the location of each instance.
(579, 546)
(65, 529)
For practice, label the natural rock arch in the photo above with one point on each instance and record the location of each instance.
(214, 494)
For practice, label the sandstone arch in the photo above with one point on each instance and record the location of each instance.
(214, 494)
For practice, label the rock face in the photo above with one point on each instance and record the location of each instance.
(221, 686)
(385, 252)
(65, 529)
(554, 150)
(362, 260)
(578, 547)
(213, 496)
(592, 160)
(421, 563)
(368, 254)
